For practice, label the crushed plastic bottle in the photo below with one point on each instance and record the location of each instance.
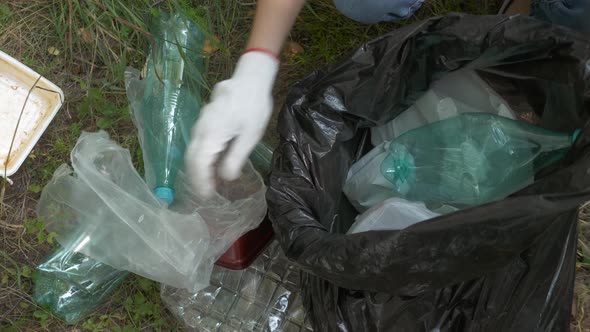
(264, 297)
(72, 285)
(471, 159)
(171, 99)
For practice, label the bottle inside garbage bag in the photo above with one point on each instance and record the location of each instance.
(171, 101)
(471, 159)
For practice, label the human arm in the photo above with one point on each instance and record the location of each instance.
(240, 108)
(273, 22)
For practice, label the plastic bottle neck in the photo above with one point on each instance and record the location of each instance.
(576, 134)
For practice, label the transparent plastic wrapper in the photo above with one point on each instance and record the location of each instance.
(73, 285)
(467, 160)
(455, 93)
(123, 224)
(263, 297)
(166, 102)
(392, 214)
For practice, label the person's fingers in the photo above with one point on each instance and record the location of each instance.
(239, 152)
(200, 170)
(206, 146)
(221, 90)
(207, 142)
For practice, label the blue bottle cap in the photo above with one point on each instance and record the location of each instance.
(576, 134)
(165, 194)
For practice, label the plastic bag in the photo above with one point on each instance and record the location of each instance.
(503, 266)
(392, 214)
(125, 226)
(72, 285)
(462, 91)
(263, 297)
(365, 186)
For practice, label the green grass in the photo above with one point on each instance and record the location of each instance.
(96, 40)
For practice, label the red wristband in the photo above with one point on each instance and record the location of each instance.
(262, 50)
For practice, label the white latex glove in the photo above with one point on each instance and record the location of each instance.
(238, 113)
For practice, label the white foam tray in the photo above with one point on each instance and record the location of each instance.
(45, 100)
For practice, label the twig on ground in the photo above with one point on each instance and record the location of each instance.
(10, 227)
(16, 267)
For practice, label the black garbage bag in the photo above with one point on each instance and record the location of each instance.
(505, 266)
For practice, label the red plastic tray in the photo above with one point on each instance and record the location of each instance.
(247, 248)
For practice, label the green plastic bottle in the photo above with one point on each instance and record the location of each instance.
(171, 99)
(261, 159)
(470, 159)
(72, 285)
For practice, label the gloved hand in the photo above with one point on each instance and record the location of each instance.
(234, 120)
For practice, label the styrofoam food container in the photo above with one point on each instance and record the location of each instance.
(45, 100)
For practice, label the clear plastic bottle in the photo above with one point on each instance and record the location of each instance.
(171, 99)
(471, 159)
(72, 285)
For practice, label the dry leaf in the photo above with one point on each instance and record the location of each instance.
(76, 69)
(211, 47)
(53, 51)
(294, 48)
(85, 35)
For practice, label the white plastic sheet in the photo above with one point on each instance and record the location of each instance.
(125, 226)
(365, 185)
(392, 214)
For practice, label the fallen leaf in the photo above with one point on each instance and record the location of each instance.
(35, 188)
(26, 272)
(211, 47)
(76, 69)
(294, 48)
(53, 51)
(51, 237)
(85, 35)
